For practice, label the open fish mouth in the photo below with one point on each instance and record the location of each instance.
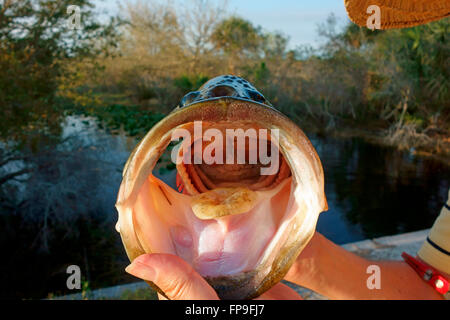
(245, 206)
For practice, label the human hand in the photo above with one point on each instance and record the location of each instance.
(336, 273)
(306, 268)
(179, 281)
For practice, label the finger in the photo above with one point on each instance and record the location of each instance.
(161, 297)
(280, 291)
(174, 276)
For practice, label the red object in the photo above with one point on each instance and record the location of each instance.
(432, 276)
(180, 185)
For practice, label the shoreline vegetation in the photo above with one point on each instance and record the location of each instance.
(391, 86)
(404, 139)
(128, 71)
(433, 143)
(388, 87)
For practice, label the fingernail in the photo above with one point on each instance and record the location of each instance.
(140, 270)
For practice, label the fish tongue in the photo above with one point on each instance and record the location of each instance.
(221, 202)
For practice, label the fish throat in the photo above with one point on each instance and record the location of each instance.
(228, 206)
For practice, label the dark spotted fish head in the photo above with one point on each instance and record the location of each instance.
(226, 86)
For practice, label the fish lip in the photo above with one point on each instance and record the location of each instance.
(228, 98)
(251, 284)
(142, 162)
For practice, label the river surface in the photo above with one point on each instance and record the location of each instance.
(374, 191)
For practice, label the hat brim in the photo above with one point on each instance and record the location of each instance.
(398, 13)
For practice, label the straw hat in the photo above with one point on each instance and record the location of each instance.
(398, 13)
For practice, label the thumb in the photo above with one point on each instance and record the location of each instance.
(174, 276)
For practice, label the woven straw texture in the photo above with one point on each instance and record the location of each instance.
(399, 13)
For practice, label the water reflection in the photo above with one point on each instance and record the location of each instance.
(374, 191)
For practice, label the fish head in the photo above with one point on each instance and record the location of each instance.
(250, 188)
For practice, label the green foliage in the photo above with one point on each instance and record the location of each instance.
(367, 75)
(414, 120)
(189, 83)
(274, 44)
(236, 35)
(86, 291)
(420, 58)
(35, 43)
(262, 73)
(139, 294)
(237, 38)
(134, 120)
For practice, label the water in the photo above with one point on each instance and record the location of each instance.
(374, 191)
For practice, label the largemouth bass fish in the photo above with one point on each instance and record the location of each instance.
(246, 204)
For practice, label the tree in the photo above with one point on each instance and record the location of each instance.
(237, 38)
(35, 43)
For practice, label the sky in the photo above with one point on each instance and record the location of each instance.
(298, 19)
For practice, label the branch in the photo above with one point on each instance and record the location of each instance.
(16, 158)
(12, 175)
